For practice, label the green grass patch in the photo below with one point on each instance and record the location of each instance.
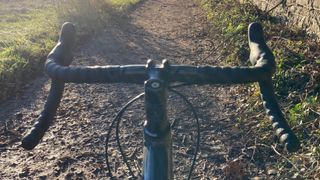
(122, 4)
(296, 80)
(29, 30)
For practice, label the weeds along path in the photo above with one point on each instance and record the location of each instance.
(74, 146)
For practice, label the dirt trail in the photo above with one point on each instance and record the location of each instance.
(74, 146)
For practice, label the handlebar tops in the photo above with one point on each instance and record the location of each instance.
(262, 59)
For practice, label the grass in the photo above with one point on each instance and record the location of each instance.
(296, 81)
(29, 29)
(122, 4)
(27, 33)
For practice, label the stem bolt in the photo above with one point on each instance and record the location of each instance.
(155, 85)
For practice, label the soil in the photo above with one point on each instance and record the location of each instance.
(74, 146)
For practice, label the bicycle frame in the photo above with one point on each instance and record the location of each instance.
(157, 149)
(158, 163)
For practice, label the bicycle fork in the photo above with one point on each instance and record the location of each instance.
(157, 163)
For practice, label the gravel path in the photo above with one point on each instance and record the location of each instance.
(74, 146)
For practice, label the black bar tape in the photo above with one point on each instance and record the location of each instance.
(218, 75)
(137, 74)
(261, 55)
(62, 53)
(46, 116)
(279, 123)
(97, 74)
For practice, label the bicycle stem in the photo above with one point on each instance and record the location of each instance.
(157, 149)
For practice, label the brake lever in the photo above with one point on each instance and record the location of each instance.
(261, 55)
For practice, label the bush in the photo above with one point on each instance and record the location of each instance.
(296, 79)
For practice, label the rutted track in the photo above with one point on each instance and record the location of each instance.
(74, 146)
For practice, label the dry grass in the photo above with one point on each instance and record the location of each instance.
(29, 29)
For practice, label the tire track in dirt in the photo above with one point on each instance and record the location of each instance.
(74, 146)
